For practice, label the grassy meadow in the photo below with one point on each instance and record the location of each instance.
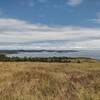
(50, 81)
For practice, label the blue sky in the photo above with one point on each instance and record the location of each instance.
(52, 12)
(49, 24)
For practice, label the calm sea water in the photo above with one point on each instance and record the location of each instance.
(82, 53)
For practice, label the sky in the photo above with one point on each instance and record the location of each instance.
(50, 24)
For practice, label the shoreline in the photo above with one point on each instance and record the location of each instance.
(45, 59)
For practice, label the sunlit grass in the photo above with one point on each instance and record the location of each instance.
(50, 81)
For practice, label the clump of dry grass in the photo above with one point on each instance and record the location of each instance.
(49, 81)
(84, 86)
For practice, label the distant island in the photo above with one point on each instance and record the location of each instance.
(17, 51)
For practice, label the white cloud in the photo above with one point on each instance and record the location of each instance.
(97, 19)
(21, 34)
(74, 2)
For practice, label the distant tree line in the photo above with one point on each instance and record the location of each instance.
(38, 59)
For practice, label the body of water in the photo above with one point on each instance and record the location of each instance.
(82, 53)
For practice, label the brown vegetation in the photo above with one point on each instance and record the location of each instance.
(50, 81)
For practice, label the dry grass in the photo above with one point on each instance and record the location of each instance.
(50, 81)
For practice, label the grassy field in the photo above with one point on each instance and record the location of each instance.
(50, 81)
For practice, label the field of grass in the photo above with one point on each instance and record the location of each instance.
(50, 81)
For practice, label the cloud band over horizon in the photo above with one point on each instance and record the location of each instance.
(20, 34)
